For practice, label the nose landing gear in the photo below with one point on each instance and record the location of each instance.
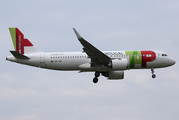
(95, 80)
(97, 74)
(153, 75)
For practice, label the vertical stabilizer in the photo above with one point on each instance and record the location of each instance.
(21, 44)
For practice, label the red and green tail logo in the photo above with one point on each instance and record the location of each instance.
(18, 40)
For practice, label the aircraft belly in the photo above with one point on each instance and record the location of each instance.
(154, 64)
(87, 67)
(71, 64)
(137, 66)
(158, 63)
(68, 66)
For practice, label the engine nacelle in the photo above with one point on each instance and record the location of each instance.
(117, 64)
(114, 74)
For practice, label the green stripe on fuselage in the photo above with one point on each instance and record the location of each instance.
(13, 36)
(135, 58)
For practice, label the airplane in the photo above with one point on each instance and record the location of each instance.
(110, 64)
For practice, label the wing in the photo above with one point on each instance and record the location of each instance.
(96, 56)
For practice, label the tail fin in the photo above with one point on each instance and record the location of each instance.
(21, 44)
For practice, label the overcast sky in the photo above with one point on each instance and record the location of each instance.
(29, 93)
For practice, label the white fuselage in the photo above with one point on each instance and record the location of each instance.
(110, 64)
(68, 61)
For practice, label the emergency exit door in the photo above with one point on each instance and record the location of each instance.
(42, 58)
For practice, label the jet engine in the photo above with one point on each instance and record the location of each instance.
(117, 64)
(114, 74)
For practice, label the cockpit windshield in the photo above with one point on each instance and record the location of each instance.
(164, 54)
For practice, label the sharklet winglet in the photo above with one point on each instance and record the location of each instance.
(77, 34)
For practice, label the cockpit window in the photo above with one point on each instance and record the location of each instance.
(164, 54)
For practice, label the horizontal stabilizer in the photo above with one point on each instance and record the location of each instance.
(18, 55)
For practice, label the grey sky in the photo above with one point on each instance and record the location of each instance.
(28, 93)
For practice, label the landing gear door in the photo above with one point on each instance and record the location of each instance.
(42, 58)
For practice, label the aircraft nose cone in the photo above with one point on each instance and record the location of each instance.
(172, 61)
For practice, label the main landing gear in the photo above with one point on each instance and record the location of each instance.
(153, 75)
(97, 74)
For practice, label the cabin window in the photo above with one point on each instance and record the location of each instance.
(137, 56)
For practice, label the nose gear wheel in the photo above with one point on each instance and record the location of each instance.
(153, 75)
(95, 79)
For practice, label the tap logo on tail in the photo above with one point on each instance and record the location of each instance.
(18, 40)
